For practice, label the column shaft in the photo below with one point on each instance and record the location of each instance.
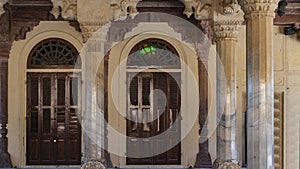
(203, 159)
(5, 161)
(226, 99)
(260, 87)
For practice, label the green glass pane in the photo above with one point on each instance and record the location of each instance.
(147, 49)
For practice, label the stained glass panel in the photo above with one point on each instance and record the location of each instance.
(153, 53)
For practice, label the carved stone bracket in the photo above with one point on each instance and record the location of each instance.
(2, 2)
(66, 8)
(229, 7)
(202, 9)
(122, 8)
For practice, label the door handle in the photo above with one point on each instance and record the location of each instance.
(53, 118)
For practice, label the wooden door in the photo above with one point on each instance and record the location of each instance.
(53, 128)
(153, 110)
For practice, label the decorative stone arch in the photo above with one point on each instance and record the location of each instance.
(117, 31)
(17, 67)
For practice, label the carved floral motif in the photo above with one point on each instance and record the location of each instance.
(229, 7)
(226, 29)
(200, 8)
(66, 8)
(122, 8)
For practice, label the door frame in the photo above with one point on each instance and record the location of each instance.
(53, 76)
(116, 89)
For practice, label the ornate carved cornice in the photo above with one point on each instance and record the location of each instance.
(202, 9)
(227, 29)
(66, 8)
(122, 8)
(257, 8)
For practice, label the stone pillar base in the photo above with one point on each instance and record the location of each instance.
(107, 160)
(203, 160)
(93, 164)
(225, 164)
(5, 161)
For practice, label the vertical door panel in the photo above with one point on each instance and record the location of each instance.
(153, 109)
(53, 129)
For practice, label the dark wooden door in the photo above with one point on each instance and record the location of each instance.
(53, 128)
(153, 119)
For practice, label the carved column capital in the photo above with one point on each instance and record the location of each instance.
(202, 9)
(66, 8)
(88, 28)
(122, 8)
(227, 29)
(257, 8)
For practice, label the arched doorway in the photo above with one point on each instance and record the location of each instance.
(153, 104)
(53, 131)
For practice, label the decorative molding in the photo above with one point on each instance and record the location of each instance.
(122, 8)
(229, 7)
(227, 29)
(202, 10)
(66, 8)
(257, 8)
(226, 164)
(93, 164)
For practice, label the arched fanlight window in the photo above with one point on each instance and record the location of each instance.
(153, 53)
(54, 53)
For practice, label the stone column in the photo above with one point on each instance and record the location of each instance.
(226, 39)
(203, 159)
(259, 17)
(96, 116)
(5, 161)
